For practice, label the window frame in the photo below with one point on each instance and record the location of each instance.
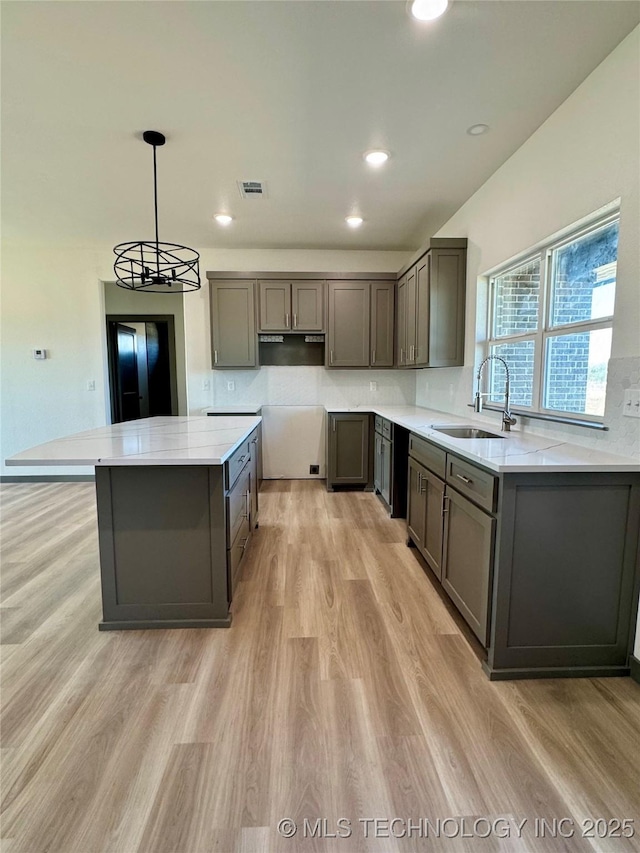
(545, 331)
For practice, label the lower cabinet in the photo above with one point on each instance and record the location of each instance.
(455, 537)
(383, 459)
(467, 559)
(542, 566)
(349, 457)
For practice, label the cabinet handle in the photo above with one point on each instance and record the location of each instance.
(333, 420)
(419, 486)
(286, 321)
(331, 357)
(215, 356)
(373, 357)
(246, 506)
(244, 542)
(413, 353)
(401, 355)
(445, 508)
(295, 321)
(464, 479)
(242, 458)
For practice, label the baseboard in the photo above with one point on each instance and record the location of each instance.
(634, 666)
(48, 478)
(554, 672)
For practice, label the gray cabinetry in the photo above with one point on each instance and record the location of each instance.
(383, 459)
(468, 559)
(447, 286)
(287, 306)
(401, 323)
(307, 306)
(431, 309)
(382, 323)
(349, 461)
(348, 327)
(233, 324)
(542, 566)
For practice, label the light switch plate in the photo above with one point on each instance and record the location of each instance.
(373, 386)
(631, 405)
(231, 386)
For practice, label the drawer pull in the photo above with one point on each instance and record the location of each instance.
(242, 458)
(245, 514)
(243, 544)
(445, 507)
(464, 479)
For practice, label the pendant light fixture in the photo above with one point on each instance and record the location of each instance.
(149, 265)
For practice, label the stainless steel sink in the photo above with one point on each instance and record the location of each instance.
(466, 432)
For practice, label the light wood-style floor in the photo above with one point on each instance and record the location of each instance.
(344, 689)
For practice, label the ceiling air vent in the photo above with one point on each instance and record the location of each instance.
(252, 189)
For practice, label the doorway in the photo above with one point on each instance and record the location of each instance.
(142, 366)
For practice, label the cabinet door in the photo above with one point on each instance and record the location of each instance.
(422, 312)
(348, 455)
(411, 316)
(434, 521)
(447, 307)
(382, 323)
(416, 503)
(401, 323)
(348, 344)
(307, 306)
(467, 560)
(254, 481)
(275, 306)
(233, 324)
(377, 463)
(385, 486)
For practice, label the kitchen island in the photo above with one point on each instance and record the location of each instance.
(177, 503)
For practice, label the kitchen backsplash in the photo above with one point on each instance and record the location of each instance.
(308, 386)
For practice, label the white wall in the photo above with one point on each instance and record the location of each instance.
(583, 157)
(51, 298)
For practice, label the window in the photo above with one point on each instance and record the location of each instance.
(551, 319)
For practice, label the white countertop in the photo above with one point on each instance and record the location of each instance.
(515, 452)
(232, 410)
(197, 440)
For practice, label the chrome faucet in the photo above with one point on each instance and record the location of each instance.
(507, 418)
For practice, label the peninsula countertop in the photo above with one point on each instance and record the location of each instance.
(514, 452)
(195, 440)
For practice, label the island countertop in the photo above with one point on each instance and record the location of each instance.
(513, 452)
(166, 440)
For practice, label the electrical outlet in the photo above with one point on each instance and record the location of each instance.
(314, 469)
(205, 384)
(373, 386)
(91, 385)
(231, 386)
(631, 405)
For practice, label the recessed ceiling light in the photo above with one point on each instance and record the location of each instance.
(376, 157)
(223, 219)
(477, 129)
(354, 221)
(428, 10)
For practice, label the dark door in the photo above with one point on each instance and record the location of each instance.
(142, 366)
(433, 488)
(385, 489)
(128, 392)
(416, 503)
(348, 456)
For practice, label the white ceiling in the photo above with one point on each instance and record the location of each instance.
(290, 93)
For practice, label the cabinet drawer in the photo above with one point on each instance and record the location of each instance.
(478, 485)
(379, 424)
(236, 463)
(386, 428)
(432, 457)
(236, 553)
(238, 505)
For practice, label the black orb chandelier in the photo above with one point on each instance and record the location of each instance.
(150, 266)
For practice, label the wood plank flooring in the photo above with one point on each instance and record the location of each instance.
(345, 689)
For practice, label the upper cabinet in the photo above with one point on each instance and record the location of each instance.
(431, 309)
(360, 324)
(382, 323)
(291, 306)
(233, 324)
(348, 330)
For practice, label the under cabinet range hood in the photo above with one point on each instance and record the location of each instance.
(291, 350)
